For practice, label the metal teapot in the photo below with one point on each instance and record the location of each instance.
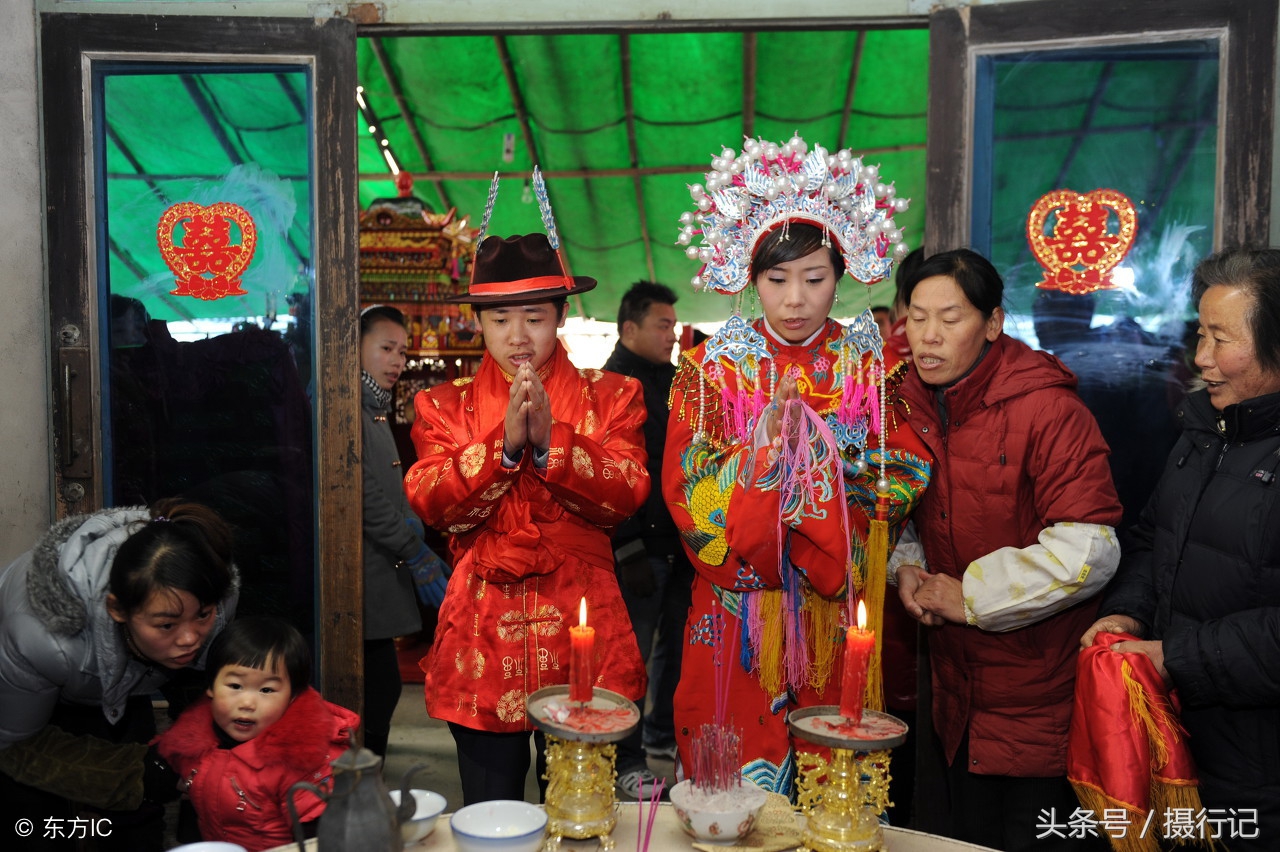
(359, 812)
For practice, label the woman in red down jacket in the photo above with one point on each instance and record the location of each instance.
(1018, 537)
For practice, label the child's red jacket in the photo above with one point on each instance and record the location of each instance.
(240, 793)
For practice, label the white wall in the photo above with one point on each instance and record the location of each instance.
(25, 504)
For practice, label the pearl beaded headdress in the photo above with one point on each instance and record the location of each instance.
(767, 186)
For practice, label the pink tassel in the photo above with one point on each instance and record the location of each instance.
(845, 411)
(851, 403)
(873, 408)
(862, 401)
(758, 402)
(733, 404)
(797, 484)
(807, 447)
(741, 411)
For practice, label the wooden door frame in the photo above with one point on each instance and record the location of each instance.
(68, 43)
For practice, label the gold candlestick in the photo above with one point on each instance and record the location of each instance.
(580, 761)
(843, 796)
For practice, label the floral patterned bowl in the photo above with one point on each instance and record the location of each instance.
(722, 818)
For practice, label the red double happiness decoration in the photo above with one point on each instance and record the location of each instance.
(204, 262)
(1081, 248)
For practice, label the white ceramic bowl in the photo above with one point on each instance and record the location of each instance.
(725, 819)
(503, 825)
(427, 806)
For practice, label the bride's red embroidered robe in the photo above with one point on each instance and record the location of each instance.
(724, 491)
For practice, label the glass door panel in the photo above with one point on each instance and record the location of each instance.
(206, 223)
(1140, 120)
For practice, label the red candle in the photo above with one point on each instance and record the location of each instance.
(582, 647)
(859, 642)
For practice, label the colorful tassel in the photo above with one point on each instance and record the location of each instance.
(767, 639)
(873, 590)
(796, 646)
(822, 621)
(748, 605)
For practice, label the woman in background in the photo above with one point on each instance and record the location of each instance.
(397, 562)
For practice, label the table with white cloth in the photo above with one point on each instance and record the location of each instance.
(667, 836)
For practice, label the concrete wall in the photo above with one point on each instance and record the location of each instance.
(25, 503)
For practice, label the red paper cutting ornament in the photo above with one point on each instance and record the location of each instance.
(204, 262)
(1081, 247)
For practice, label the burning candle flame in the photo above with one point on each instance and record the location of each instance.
(582, 613)
(862, 615)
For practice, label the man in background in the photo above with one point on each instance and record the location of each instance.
(884, 319)
(653, 571)
(895, 339)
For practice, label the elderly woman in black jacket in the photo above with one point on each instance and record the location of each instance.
(1200, 580)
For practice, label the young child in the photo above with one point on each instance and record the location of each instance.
(262, 730)
(527, 466)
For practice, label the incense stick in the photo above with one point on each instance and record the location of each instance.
(716, 748)
(655, 799)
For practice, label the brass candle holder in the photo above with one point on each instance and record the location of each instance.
(843, 796)
(580, 761)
